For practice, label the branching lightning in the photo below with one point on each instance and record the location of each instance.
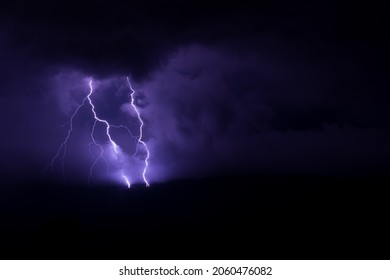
(62, 150)
(113, 144)
(63, 146)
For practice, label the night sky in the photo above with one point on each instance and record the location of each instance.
(267, 125)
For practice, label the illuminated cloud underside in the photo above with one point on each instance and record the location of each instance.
(113, 146)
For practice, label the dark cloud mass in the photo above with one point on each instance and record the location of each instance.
(281, 87)
(105, 37)
(225, 112)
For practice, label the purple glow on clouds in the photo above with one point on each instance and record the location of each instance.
(206, 111)
(106, 150)
(211, 111)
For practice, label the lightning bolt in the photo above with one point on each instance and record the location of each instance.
(63, 147)
(62, 150)
(140, 141)
(126, 180)
(97, 119)
(100, 156)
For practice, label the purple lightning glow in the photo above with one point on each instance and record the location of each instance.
(126, 180)
(100, 154)
(62, 150)
(114, 145)
(140, 141)
(63, 146)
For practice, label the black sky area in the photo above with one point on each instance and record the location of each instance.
(268, 122)
(109, 37)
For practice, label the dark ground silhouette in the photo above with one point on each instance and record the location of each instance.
(235, 218)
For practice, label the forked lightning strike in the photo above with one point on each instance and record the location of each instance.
(114, 145)
(62, 150)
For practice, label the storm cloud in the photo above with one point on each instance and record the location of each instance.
(233, 87)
